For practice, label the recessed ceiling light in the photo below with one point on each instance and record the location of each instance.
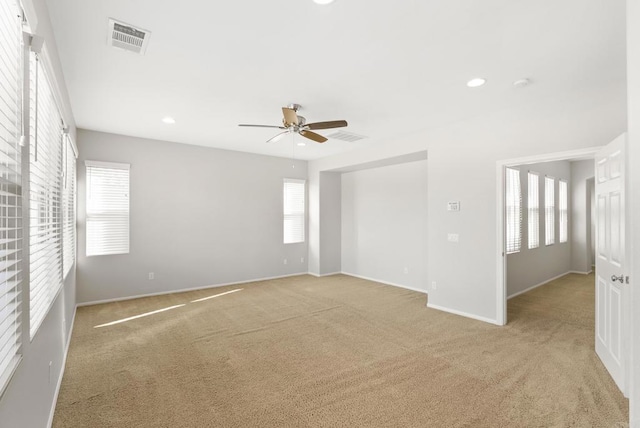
(323, 1)
(169, 120)
(302, 144)
(521, 83)
(477, 82)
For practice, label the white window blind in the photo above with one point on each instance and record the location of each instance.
(45, 181)
(11, 243)
(549, 211)
(69, 207)
(294, 210)
(533, 210)
(107, 208)
(513, 199)
(563, 210)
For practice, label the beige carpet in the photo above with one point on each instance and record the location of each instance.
(337, 352)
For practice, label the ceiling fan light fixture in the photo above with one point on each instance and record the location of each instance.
(168, 120)
(302, 144)
(323, 1)
(476, 82)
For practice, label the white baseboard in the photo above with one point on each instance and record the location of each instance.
(463, 314)
(546, 281)
(64, 364)
(384, 282)
(579, 272)
(184, 290)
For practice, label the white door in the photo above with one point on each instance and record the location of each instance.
(611, 290)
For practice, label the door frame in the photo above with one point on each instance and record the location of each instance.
(501, 259)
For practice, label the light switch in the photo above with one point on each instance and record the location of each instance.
(453, 237)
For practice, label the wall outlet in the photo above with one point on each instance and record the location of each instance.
(301, 259)
(50, 371)
(406, 270)
(434, 286)
(453, 237)
(285, 261)
(152, 275)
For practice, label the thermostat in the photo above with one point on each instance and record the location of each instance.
(453, 206)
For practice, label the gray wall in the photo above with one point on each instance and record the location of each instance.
(531, 267)
(384, 223)
(199, 217)
(28, 400)
(331, 221)
(582, 173)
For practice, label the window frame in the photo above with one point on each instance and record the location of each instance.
(298, 213)
(549, 210)
(513, 211)
(114, 214)
(563, 211)
(533, 210)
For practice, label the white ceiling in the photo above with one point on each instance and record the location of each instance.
(389, 68)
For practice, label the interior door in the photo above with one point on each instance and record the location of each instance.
(611, 290)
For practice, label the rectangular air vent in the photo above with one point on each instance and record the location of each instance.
(128, 37)
(346, 136)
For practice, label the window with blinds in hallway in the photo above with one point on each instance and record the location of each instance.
(549, 211)
(107, 208)
(294, 210)
(11, 231)
(563, 211)
(45, 195)
(533, 210)
(513, 203)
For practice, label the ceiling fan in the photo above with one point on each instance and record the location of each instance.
(291, 122)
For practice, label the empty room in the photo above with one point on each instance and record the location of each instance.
(319, 213)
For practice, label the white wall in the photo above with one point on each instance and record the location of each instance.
(531, 267)
(462, 167)
(384, 223)
(199, 217)
(582, 174)
(633, 198)
(28, 400)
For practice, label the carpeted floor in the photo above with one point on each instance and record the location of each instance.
(337, 352)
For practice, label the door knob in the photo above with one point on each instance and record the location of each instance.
(617, 278)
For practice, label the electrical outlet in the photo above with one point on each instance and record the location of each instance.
(50, 371)
(434, 286)
(406, 270)
(453, 237)
(285, 261)
(301, 259)
(152, 275)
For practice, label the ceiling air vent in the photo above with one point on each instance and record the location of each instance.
(128, 37)
(346, 136)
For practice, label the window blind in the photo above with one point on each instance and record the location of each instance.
(563, 211)
(513, 199)
(533, 210)
(549, 211)
(294, 210)
(11, 244)
(69, 207)
(107, 208)
(45, 181)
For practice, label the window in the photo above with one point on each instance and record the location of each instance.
(293, 211)
(11, 243)
(69, 207)
(549, 211)
(45, 181)
(563, 210)
(514, 211)
(107, 208)
(533, 210)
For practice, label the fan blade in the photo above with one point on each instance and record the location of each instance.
(313, 136)
(277, 137)
(327, 125)
(262, 126)
(290, 116)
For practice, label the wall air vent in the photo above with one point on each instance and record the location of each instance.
(128, 37)
(346, 136)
